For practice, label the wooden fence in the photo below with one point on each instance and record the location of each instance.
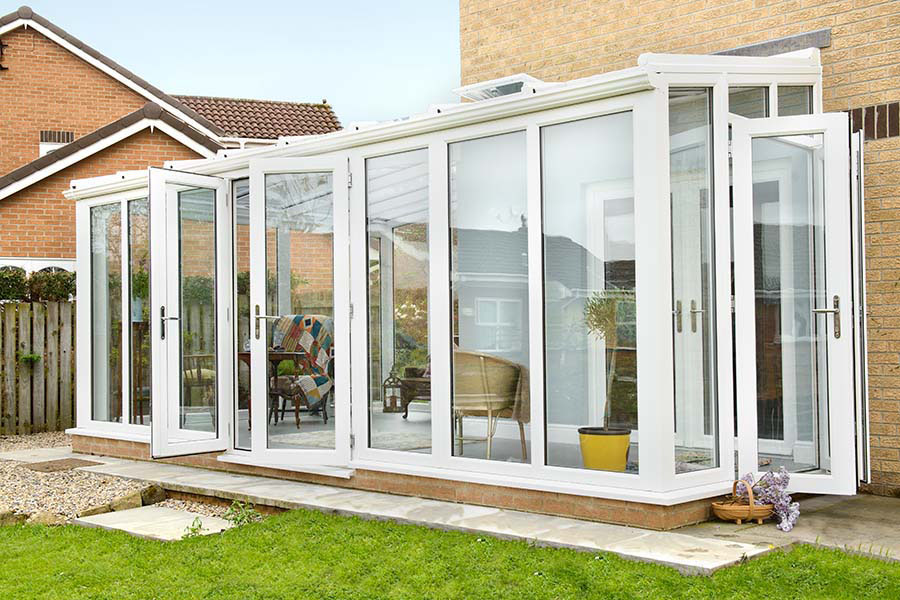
(37, 366)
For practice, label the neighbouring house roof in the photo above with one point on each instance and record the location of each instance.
(149, 115)
(217, 117)
(264, 119)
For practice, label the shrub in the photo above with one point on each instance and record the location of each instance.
(58, 286)
(13, 284)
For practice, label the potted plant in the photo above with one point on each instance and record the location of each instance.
(605, 448)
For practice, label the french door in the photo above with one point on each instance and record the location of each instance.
(794, 310)
(191, 373)
(299, 311)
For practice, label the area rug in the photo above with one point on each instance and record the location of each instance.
(393, 440)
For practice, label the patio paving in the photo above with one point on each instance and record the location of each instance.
(864, 524)
(155, 522)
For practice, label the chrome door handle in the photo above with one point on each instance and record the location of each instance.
(259, 316)
(694, 312)
(162, 322)
(677, 313)
(836, 311)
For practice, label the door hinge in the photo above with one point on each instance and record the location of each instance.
(351, 310)
(730, 154)
(352, 441)
(349, 180)
(732, 304)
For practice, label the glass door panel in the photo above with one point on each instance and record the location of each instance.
(298, 273)
(188, 416)
(793, 304)
(693, 282)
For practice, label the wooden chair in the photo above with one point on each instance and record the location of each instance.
(485, 386)
(200, 374)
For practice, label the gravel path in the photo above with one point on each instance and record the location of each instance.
(201, 508)
(52, 439)
(64, 492)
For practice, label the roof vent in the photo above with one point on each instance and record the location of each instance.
(495, 88)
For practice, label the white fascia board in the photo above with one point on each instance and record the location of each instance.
(101, 145)
(107, 70)
(592, 88)
(801, 62)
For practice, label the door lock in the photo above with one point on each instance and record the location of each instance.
(836, 311)
(694, 312)
(258, 317)
(162, 321)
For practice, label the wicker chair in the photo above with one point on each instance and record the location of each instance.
(485, 386)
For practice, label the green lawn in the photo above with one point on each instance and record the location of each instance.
(304, 554)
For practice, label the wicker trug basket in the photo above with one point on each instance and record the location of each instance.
(738, 510)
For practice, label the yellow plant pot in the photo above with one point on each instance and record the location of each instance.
(604, 449)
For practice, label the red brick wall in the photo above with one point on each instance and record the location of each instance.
(39, 222)
(48, 88)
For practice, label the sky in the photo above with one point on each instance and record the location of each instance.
(370, 60)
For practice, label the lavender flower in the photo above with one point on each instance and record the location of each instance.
(772, 489)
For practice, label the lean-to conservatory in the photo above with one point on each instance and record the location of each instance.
(627, 287)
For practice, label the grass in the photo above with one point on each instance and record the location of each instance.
(304, 554)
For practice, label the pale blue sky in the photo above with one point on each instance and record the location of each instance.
(370, 60)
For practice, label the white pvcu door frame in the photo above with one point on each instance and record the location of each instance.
(860, 323)
(339, 456)
(83, 358)
(165, 292)
(833, 127)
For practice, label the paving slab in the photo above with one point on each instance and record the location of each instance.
(863, 524)
(154, 522)
(688, 555)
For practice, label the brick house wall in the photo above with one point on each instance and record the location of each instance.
(558, 40)
(48, 88)
(38, 221)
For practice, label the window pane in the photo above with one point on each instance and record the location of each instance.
(789, 274)
(690, 145)
(489, 264)
(106, 312)
(589, 293)
(750, 102)
(794, 100)
(197, 317)
(241, 195)
(139, 266)
(399, 341)
(300, 293)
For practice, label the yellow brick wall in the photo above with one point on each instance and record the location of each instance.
(558, 40)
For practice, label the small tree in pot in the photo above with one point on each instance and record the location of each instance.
(603, 447)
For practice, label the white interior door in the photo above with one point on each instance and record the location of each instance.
(300, 301)
(191, 369)
(793, 304)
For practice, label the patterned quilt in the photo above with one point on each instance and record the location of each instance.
(314, 335)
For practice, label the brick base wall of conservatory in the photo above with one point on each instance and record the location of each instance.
(650, 516)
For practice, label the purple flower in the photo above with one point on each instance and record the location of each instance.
(772, 489)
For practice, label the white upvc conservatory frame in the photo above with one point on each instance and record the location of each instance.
(643, 89)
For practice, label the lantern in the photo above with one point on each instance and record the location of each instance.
(391, 393)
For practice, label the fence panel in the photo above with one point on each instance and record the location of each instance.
(36, 367)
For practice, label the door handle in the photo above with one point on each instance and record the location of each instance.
(259, 316)
(694, 312)
(162, 321)
(677, 313)
(836, 311)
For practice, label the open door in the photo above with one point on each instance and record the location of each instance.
(300, 311)
(794, 306)
(191, 373)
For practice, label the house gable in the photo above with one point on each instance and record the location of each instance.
(39, 222)
(47, 88)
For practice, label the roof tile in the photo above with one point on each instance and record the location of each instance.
(264, 119)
